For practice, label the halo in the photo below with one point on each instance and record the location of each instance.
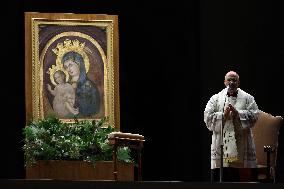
(54, 69)
(68, 46)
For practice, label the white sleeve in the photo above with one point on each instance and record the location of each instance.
(213, 117)
(249, 116)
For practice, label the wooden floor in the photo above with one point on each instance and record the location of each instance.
(54, 184)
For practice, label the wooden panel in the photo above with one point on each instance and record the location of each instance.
(79, 170)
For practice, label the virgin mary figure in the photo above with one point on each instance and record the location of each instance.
(87, 97)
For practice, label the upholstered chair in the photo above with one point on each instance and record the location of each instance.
(265, 133)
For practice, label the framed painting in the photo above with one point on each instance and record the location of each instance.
(71, 66)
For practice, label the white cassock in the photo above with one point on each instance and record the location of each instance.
(239, 148)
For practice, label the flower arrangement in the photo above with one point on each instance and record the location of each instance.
(52, 139)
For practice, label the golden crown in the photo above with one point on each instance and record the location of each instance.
(68, 45)
(61, 49)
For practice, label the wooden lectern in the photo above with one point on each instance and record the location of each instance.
(134, 141)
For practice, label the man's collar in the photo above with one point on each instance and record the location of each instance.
(235, 94)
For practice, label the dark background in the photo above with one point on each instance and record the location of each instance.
(173, 57)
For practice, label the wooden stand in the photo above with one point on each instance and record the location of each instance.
(79, 170)
(134, 141)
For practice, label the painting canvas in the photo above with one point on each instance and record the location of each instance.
(72, 66)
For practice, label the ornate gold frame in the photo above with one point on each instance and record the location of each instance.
(36, 51)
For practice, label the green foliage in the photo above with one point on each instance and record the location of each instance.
(51, 139)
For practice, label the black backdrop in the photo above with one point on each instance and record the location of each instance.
(173, 57)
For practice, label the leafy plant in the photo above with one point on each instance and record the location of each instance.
(52, 139)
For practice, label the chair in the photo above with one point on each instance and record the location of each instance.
(265, 133)
(134, 141)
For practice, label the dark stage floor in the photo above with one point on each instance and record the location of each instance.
(54, 184)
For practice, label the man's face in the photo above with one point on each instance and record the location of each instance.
(232, 82)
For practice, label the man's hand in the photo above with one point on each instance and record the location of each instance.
(230, 112)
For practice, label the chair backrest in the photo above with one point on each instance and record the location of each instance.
(265, 133)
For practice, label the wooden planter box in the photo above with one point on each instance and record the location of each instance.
(79, 170)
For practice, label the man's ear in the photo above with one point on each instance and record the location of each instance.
(225, 83)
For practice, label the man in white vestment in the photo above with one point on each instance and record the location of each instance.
(236, 111)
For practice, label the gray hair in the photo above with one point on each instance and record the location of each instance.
(232, 72)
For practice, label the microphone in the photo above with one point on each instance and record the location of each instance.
(227, 89)
(221, 142)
